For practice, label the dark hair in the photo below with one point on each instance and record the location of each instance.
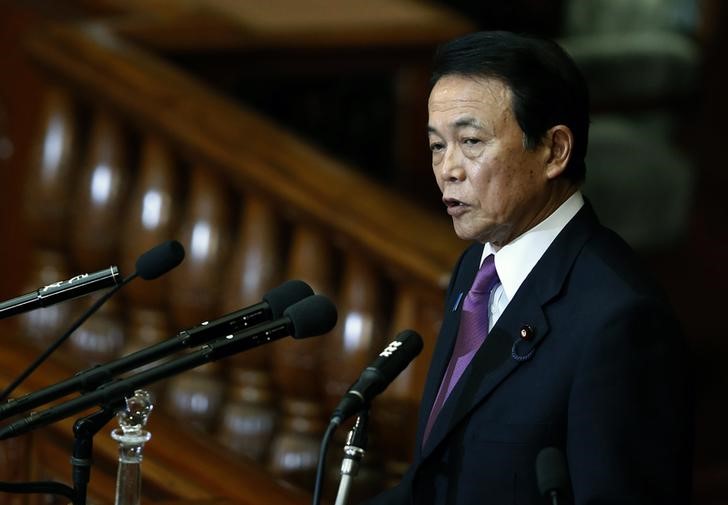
(548, 89)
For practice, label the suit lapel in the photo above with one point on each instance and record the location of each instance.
(463, 279)
(494, 361)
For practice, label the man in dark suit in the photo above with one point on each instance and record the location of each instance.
(565, 341)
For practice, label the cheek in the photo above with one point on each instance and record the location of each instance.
(489, 176)
(526, 187)
(504, 184)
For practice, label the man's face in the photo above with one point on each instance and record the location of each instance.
(493, 187)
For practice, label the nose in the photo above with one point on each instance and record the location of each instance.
(451, 167)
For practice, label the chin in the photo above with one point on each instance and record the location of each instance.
(468, 235)
(483, 231)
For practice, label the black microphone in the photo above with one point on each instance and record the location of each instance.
(552, 474)
(159, 260)
(311, 316)
(377, 376)
(74, 287)
(274, 303)
(150, 265)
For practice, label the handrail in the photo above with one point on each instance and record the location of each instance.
(142, 87)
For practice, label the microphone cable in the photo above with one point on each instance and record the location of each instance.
(323, 449)
(40, 487)
(56, 343)
(373, 380)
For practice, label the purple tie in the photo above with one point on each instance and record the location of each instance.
(471, 334)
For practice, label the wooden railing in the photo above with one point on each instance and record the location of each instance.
(131, 152)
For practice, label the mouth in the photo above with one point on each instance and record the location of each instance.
(454, 206)
(452, 202)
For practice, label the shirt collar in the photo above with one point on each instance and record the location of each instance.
(515, 260)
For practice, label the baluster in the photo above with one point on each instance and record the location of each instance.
(397, 406)
(297, 370)
(51, 172)
(349, 350)
(45, 211)
(196, 396)
(46, 195)
(295, 448)
(97, 210)
(99, 197)
(145, 328)
(205, 233)
(297, 364)
(249, 415)
(150, 220)
(101, 337)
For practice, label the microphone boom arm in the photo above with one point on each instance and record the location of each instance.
(273, 304)
(92, 378)
(112, 391)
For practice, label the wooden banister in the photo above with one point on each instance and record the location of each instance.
(254, 154)
(154, 154)
(283, 25)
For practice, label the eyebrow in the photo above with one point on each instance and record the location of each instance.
(466, 122)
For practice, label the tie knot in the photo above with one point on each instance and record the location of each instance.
(486, 278)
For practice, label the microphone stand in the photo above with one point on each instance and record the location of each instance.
(113, 391)
(5, 394)
(356, 444)
(94, 379)
(84, 430)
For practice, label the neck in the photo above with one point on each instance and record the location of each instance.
(561, 191)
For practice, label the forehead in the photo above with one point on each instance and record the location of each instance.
(484, 99)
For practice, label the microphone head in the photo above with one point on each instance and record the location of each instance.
(311, 316)
(398, 354)
(551, 471)
(392, 361)
(159, 260)
(285, 295)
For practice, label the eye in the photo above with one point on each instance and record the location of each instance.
(436, 146)
(471, 141)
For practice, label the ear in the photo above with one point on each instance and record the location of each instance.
(560, 140)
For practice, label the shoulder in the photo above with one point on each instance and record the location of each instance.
(608, 264)
(597, 280)
(611, 299)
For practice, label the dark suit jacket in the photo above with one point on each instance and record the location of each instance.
(607, 383)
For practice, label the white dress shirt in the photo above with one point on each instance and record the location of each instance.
(515, 260)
